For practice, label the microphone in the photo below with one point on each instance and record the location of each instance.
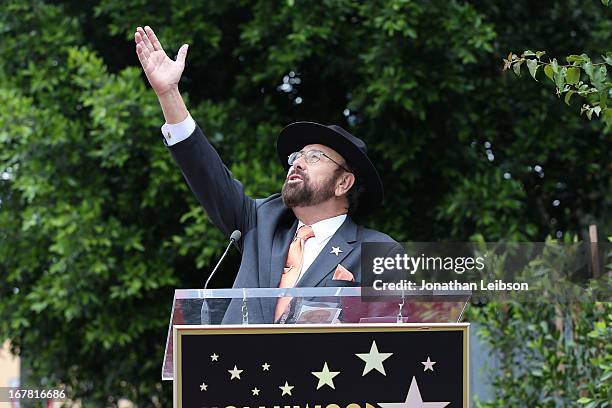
(205, 310)
(233, 239)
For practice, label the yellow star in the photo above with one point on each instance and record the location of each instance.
(265, 366)
(235, 373)
(325, 377)
(286, 389)
(214, 357)
(255, 391)
(374, 360)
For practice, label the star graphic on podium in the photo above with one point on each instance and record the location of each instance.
(428, 364)
(214, 357)
(374, 360)
(336, 251)
(203, 387)
(265, 367)
(286, 389)
(325, 377)
(413, 400)
(235, 373)
(255, 391)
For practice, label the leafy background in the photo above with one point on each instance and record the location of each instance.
(97, 227)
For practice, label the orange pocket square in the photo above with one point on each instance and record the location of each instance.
(343, 274)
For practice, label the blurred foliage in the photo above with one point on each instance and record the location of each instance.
(543, 364)
(553, 347)
(97, 226)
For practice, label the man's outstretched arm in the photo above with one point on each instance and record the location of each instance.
(212, 183)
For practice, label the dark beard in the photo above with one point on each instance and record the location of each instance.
(305, 195)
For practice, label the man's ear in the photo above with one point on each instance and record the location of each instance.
(344, 184)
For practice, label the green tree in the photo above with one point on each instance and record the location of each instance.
(97, 226)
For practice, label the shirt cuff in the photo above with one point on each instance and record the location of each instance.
(177, 132)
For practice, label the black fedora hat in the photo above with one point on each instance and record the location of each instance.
(354, 151)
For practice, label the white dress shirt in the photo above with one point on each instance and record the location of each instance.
(323, 230)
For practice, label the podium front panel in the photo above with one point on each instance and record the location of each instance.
(345, 365)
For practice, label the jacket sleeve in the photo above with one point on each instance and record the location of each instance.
(222, 196)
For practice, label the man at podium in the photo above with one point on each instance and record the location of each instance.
(301, 237)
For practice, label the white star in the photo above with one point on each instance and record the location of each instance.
(374, 360)
(325, 377)
(214, 357)
(235, 373)
(203, 387)
(413, 400)
(265, 366)
(336, 251)
(255, 391)
(428, 364)
(286, 388)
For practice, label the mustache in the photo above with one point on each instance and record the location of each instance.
(297, 173)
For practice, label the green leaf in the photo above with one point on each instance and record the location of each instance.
(603, 97)
(533, 66)
(516, 67)
(560, 78)
(539, 54)
(605, 2)
(568, 95)
(548, 71)
(599, 78)
(596, 73)
(528, 53)
(554, 65)
(573, 75)
(597, 110)
(607, 58)
(578, 59)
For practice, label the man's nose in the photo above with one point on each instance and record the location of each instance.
(300, 163)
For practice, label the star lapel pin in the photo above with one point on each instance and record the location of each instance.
(336, 251)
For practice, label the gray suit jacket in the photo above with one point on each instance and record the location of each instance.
(267, 227)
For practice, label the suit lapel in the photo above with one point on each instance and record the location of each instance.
(326, 262)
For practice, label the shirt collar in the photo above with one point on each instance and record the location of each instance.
(325, 228)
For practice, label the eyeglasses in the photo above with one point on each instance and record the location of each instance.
(312, 157)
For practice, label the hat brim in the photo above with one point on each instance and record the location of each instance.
(299, 134)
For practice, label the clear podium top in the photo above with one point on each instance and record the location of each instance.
(320, 305)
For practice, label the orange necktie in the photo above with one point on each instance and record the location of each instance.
(293, 266)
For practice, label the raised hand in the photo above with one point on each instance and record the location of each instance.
(162, 72)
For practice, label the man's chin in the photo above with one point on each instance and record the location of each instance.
(292, 197)
(290, 201)
(292, 189)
